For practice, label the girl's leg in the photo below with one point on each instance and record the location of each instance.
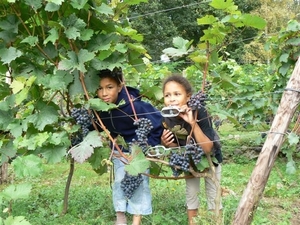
(192, 201)
(211, 189)
(192, 213)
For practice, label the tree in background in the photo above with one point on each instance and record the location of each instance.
(160, 21)
(277, 14)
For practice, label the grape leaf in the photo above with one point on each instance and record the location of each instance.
(15, 128)
(293, 138)
(53, 153)
(14, 192)
(59, 80)
(138, 163)
(51, 7)
(96, 160)
(10, 54)
(85, 149)
(57, 2)
(17, 85)
(105, 9)
(52, 37)
(20, 220)
(78, 4)
(179, 131)
(291, 167)
(99, 105)
(203, 164)
(7, 151)
(76, 61)
(27, 166)
(223, 4)
(156, 169)
(5, 119)
(31, 40)
(47, 115)
(34, 4)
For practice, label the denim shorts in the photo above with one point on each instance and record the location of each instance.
(140, 202)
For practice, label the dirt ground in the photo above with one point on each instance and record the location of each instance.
(277, 210)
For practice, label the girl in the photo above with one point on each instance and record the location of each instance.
(120, 121)
(177, 92)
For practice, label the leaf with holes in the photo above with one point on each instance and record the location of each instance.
(85, 149)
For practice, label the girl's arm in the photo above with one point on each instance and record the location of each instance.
(200, 137)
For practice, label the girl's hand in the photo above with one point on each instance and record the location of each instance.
(167, 138)
(188, 115)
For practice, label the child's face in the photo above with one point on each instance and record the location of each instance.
(108, 90)
(175, 94)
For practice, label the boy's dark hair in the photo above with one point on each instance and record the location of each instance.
(178, 78)
(115, 74)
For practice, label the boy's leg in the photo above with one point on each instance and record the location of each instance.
(121, 219)
(136, 220)
(119, 200)
(141, 201)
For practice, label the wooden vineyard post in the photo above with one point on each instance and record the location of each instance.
(260, 174)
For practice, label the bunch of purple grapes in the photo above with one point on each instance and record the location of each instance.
(192, 152)
(144, 126)
(179, 159)
(82, 118)
(130, 183)
(195, 152)
(197, 101)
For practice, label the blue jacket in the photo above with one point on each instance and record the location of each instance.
(120, 121)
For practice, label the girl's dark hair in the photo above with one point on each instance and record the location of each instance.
(178, 78)
(115, 74)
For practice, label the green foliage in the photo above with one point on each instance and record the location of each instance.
(161, 21)
(285, 48)
(51, 51)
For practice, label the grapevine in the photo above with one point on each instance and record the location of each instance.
(130, 183)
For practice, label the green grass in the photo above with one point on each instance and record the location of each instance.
(90, 198)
